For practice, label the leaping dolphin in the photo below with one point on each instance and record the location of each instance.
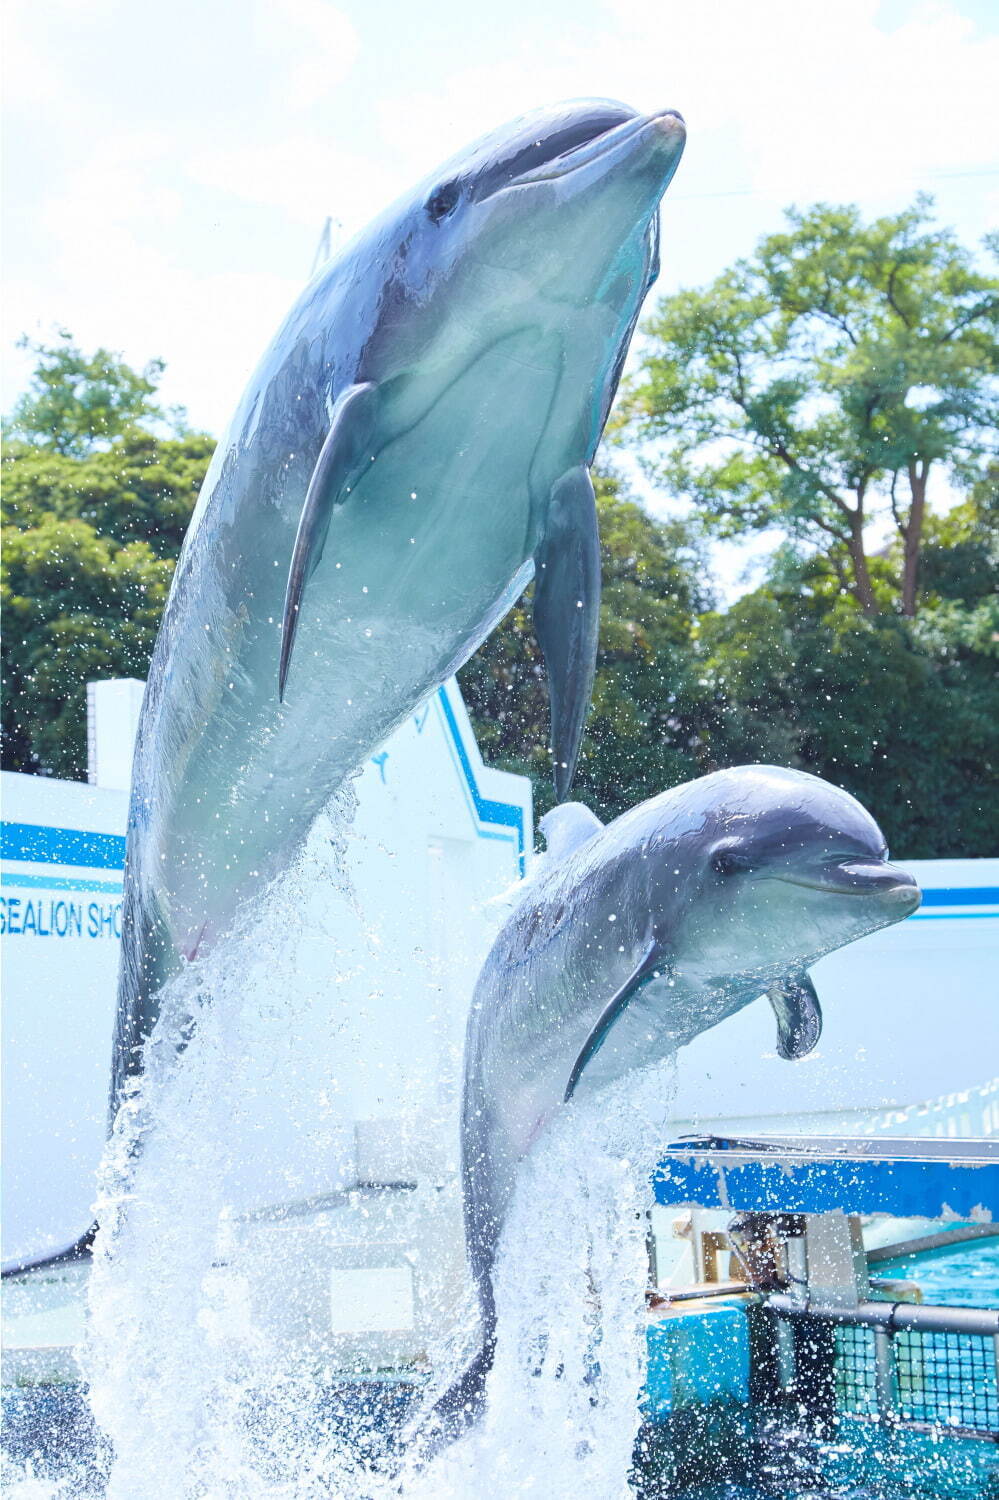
(413, 448)
(634, 938)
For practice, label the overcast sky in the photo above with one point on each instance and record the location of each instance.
(169, 167)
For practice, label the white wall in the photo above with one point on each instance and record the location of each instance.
(113, 709)
(60, 915)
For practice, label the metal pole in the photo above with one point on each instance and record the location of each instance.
(893, 1316)
(885, 1381)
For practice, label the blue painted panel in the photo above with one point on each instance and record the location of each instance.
(507, 814)
(925, 1189)
(697, 1357)
(39, 844)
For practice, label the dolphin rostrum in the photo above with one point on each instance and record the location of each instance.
(413, 448)
(634, 938)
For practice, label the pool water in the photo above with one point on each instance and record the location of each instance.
(955, 1275)
(742, 1458)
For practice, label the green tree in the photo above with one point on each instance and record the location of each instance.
(76, 402)
(140, 488)
(635, 742)
(961, 559)
(903, 713)
(77, 606)
(95, 506)
(814, 387)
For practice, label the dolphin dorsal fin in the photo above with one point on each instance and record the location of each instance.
(566, 827)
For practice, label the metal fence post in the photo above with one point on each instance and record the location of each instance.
(885, 1376)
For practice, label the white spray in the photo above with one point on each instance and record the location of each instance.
(193, 1383)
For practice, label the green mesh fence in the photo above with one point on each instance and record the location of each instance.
(938, 1379)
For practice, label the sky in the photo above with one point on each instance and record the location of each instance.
(168, 169)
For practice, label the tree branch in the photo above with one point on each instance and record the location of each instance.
(890, 294)
(778, 449)
(970, 317)
(894, 505)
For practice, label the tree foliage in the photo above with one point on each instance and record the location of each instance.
(903, 714)
(902, 711)
(77, 607)
(76, 402)
(814, 386)
(139, 489)
(94, 511)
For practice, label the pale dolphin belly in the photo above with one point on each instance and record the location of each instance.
(405, 592)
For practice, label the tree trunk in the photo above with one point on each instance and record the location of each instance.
(861, 575)
(912, 535)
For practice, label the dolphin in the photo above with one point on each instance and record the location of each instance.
(411, 451)
(632, 939)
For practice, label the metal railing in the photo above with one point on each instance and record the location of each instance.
(927, 1367)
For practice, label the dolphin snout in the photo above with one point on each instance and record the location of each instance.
(904, 896)
(671, 123)
(894, 889)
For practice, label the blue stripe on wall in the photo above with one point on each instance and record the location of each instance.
(507, 814)
(39, 845)
(970, 895)
(36, 843)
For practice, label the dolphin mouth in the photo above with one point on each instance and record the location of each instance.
(668, 124)
(861, 878)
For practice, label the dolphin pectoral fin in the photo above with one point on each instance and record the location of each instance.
(799, 1015)
(340, 460)
(567, 613)
(609, 1015)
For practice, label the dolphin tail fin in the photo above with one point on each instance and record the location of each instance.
(461, 1405)
(340, 461)
(567, 613)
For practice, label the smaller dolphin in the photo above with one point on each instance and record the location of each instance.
(634, 938)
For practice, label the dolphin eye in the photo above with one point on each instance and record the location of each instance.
(443, 201)
(727, 863)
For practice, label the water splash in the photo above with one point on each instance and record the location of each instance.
(563, 1398)
(180, 1371)
(209, 1369)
